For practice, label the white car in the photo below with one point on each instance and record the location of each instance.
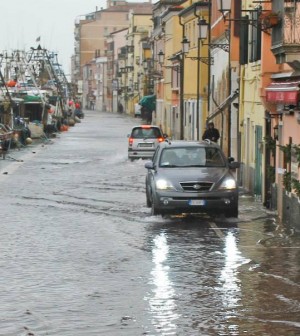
(143, 140)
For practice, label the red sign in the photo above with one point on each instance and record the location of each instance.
(282, 97)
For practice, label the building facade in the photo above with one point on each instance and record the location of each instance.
(243, 75)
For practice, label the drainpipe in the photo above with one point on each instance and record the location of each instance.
(181, 87)
(229, 90)
(209, 61)
(208, 72)
(198, 81)
(222, 113)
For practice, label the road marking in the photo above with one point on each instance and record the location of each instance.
(218, 231)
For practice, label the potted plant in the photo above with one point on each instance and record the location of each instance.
(270, 144)
(287, 151)
(287, 181)
(269, 19)
(296, 186)
(270, 171)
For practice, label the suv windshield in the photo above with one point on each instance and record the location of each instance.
(146, 132)
(191, 157)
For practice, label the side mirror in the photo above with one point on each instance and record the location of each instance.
(234, 165)
(149, 165)
(166, 135)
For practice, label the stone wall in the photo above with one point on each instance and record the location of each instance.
(291, 211)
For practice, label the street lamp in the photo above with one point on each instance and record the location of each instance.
(145, 64)
(161, 57)
(224, 6)
(203, 29)
(185, 45)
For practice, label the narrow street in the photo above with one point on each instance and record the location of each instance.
(80, 254)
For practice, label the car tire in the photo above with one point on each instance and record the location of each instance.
(148, 201)
(233, 212)
(154, 210)
(165, 216)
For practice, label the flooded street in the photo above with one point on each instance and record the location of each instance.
(80, 254)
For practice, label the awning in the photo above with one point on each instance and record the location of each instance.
(224, 105)
(149, 102)
(32, 99)
(283, 93)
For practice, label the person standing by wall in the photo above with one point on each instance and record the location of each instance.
(120, 107)
(211, 133)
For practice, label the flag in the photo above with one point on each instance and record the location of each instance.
(38, 39)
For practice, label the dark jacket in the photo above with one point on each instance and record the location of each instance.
(211, 134)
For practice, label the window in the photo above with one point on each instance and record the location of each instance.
(255, 35)
(175, 76)
(142, 133)
(244, 37)
(250, 39)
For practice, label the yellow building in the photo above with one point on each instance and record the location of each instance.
(140, 27)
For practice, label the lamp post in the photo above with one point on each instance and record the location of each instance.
(203, 33)
(203, 30)
(185, 48)
(161, 57)
(223, 7)
(180, 57)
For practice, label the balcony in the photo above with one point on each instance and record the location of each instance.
(286, 36)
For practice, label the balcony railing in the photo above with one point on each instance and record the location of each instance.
(286, 35)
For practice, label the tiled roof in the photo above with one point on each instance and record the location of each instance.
(138, 8)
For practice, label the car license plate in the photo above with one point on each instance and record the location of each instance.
(145, 145)
(196, 202)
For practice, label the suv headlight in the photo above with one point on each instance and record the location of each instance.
(164, 185)
(228, 184)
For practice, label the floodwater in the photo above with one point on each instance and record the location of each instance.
(80, 254)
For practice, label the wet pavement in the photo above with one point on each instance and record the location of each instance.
(81, 255)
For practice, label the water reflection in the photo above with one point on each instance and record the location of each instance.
(229, 280)
(162, 302)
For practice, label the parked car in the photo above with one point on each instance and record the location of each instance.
(143, 140)
(137, 110)
(191, 177)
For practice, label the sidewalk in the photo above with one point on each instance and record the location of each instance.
(19, 155)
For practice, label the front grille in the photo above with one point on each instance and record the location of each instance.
(196, 186)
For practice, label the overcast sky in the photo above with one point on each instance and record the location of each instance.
(23, 21)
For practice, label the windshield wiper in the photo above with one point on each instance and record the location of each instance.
(195, 166)
(169, 166)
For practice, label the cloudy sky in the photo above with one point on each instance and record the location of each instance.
(23, 21)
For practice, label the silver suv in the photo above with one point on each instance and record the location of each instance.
(143, 140)
(191, 177)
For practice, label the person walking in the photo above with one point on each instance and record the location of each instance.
(120, 107)
(211, 133)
